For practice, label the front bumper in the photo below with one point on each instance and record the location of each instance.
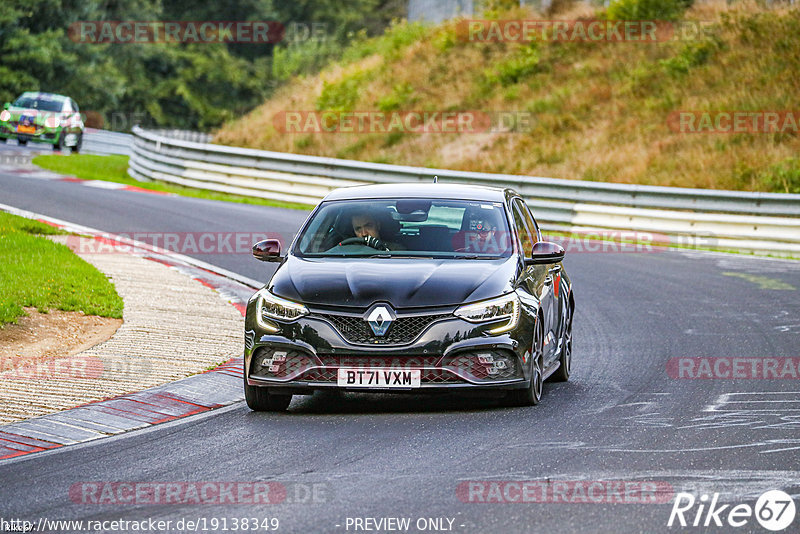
(450, 353)
(40, 135)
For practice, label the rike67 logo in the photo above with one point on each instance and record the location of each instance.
(774, 510)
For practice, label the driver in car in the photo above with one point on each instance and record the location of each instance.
(366, 225)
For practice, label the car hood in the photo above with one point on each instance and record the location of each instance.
(403, 282)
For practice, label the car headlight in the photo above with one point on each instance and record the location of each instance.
(492, 310)
(52, 122)
(5, 115)
(269, 306)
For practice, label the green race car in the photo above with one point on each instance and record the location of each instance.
(43, 118)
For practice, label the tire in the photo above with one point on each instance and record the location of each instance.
(22, 142)
(79, 145)
(259, 399)
(532, 395)
(3, 139)
(59, 145)
(565, 369)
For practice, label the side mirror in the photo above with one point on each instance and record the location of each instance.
(545, 252)
(267, 250)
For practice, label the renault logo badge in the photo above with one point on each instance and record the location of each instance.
(380, 318)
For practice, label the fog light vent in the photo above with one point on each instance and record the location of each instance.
(280, 363)
(485, 365)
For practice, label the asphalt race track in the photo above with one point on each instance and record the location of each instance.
(622, 417)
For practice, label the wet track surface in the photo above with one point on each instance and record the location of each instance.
(622, 417)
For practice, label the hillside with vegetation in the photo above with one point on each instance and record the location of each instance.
(600, 110)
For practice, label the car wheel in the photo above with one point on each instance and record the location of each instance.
(260, 399)
(78, 145)
(59, 144)
(565, 369)
(532, 395)
(22, 142)
(3, 139)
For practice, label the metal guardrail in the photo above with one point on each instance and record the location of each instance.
(765, 222)
(105, 142)
(184, 135)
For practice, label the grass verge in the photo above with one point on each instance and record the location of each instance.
(115, 169)
(46, 275)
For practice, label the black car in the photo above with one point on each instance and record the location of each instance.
(411, 287)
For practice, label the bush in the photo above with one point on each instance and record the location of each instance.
(515, 68)
(342, 95)
(784, 177)
(692, 55)
(399, 97)
(647, 9)
(301, 58)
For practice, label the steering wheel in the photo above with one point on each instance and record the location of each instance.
(369, 241)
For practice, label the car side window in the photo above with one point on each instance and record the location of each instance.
(74, 106)
(522, 229)
(526, 212)
(67, 107)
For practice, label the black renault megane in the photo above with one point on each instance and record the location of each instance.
(411, 288)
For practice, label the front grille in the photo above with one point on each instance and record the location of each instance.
(379, 361)
(319, 375)
(404, 329)
(439, 376)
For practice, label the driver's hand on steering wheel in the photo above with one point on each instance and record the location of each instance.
(375, 243)
(369, 241)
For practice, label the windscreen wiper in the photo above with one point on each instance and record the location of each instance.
(389, 255)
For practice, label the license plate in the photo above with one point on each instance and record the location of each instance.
(379, 378)
(26, 129)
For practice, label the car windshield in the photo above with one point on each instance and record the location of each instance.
(40, 103)
(407, 227)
